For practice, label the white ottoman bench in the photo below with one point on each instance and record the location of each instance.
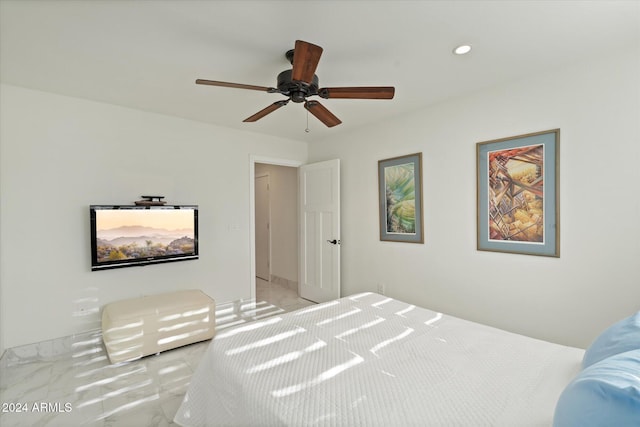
(137, 327)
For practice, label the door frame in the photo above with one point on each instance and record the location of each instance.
(253, 159)
(268, 214)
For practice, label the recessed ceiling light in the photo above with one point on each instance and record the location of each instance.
(462, 49)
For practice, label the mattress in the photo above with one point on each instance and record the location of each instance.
(370, 360)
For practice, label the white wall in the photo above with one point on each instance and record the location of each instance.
(283, 181)
(568, 300)
(59, 155)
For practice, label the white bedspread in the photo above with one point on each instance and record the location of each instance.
(369, 360)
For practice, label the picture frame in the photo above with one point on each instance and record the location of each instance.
(400, 199)
(518, 182)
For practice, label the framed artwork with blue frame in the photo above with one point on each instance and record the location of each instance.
(518, 194)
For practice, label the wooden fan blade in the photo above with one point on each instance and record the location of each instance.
(364, 92)
(233, 85)
(305, 61)
(270, 109)
(324, 115)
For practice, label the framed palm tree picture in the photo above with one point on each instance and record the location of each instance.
(400, 198)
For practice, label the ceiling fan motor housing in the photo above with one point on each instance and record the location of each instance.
(298, 91)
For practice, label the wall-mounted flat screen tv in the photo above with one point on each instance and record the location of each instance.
(125, 236)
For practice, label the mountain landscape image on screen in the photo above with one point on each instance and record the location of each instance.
(136, 241)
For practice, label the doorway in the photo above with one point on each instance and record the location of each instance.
(276, 231)
(320, 235)
(263, 225)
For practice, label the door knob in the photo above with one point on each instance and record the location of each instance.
(334, 242)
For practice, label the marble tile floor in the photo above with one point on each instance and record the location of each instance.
(279, 295)
(70, 382)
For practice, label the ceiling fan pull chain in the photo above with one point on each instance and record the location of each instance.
(307, 130)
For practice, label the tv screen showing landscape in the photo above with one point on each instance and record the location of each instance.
(124, 236)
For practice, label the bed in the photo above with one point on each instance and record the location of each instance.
(368, 359)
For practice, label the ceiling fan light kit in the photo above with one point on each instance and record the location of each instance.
(300, 83)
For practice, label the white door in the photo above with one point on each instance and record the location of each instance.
(319, 271)
(263, 232)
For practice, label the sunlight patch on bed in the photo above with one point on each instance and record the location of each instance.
(434, 319)
(381, 303)
(358, 296)
(402, 313)
(265, 342)
(315, 308)
(324, 376)
(385, 343)
(360, 328)
(341, 316)
(289, 357)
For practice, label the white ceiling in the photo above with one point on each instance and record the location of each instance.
(148, 54)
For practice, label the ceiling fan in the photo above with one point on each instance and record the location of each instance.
(300, 83)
